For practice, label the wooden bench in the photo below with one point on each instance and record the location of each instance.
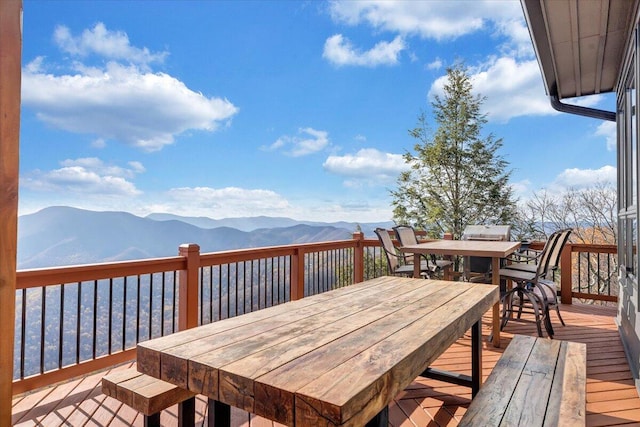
(536, 382)
(148, 395)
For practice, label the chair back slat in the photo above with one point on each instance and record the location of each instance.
(554, 256)
(550, 256)
(406, 235)
(388, 247)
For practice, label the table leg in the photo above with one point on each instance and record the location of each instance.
(495, 279)
(187, 412)
(380, 420)
(152, 420)
(416, 266)
(219, 414)
(447, 274)
(476, 357)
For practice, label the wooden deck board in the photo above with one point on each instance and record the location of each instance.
(612, 398)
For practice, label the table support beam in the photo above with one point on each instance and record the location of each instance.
(381, 419)
(495, 280)
(476, 358)
(219, 414)
(475, 380)
(187, 412)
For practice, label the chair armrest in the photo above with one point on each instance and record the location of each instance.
(522, 257)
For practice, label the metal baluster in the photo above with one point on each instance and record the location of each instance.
(78, 315)
(43, 310)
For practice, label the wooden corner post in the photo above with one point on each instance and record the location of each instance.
(358, 257)
(10, 82)
(296, 290)
(188, 287)
(566, 273)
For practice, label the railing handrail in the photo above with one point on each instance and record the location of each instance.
(248, 254)
(35, 277)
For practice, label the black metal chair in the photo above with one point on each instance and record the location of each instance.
(396, 262)
(533, 291)
(406, 235)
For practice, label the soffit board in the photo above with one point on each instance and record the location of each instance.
(580, 44)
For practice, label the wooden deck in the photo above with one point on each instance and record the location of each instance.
(612, 398)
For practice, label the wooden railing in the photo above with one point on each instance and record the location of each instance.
(78, 319)
(587, 272)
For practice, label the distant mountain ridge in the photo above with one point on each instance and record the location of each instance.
(59, 235)
(257, 222)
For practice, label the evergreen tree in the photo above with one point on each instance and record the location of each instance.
(456, 177)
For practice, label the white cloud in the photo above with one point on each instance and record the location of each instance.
(427, 19)
(521, 189)
(86, 176)
(307, 142)
(518, 42)
(126, 103)
(511, 88)
(436, 64)
(367, 166)
(340, 51)
(99, 143)
(608, 130)
(225, 202)
(108, 44)
(583, 178)
(137, 167)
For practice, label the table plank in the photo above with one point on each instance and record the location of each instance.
(526, 405)
(278, 370)
(323, 327)
(511, 364)
(274, 382)
(341, 355)
(148, 353)
(483, 248)
(567, 403)
(345, 396)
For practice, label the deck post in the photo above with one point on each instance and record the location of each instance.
(358, 257)
(297, 275)
(10, 82)
(188, 287)
(566, 270)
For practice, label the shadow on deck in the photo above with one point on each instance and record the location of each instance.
(612, 398)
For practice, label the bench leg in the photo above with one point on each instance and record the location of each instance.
(380, 420)
(476, 358)
(187, 412)
(152, 420)
(219, 414)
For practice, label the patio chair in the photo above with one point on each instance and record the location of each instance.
(550, 259)
(406, 235)
(548, 290)
(396, 262)
(533, 290)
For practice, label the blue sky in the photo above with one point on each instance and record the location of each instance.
(280, 108)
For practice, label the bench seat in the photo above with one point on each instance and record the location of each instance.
(146, 394)
(536, 382)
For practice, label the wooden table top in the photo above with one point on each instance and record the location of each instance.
(336, 358)
(481, 248)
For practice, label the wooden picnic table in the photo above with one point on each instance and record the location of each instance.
(496, 250)
(336, 358)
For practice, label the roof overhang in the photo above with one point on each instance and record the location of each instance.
(580, 44)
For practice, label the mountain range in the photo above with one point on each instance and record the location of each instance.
(62, 235)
